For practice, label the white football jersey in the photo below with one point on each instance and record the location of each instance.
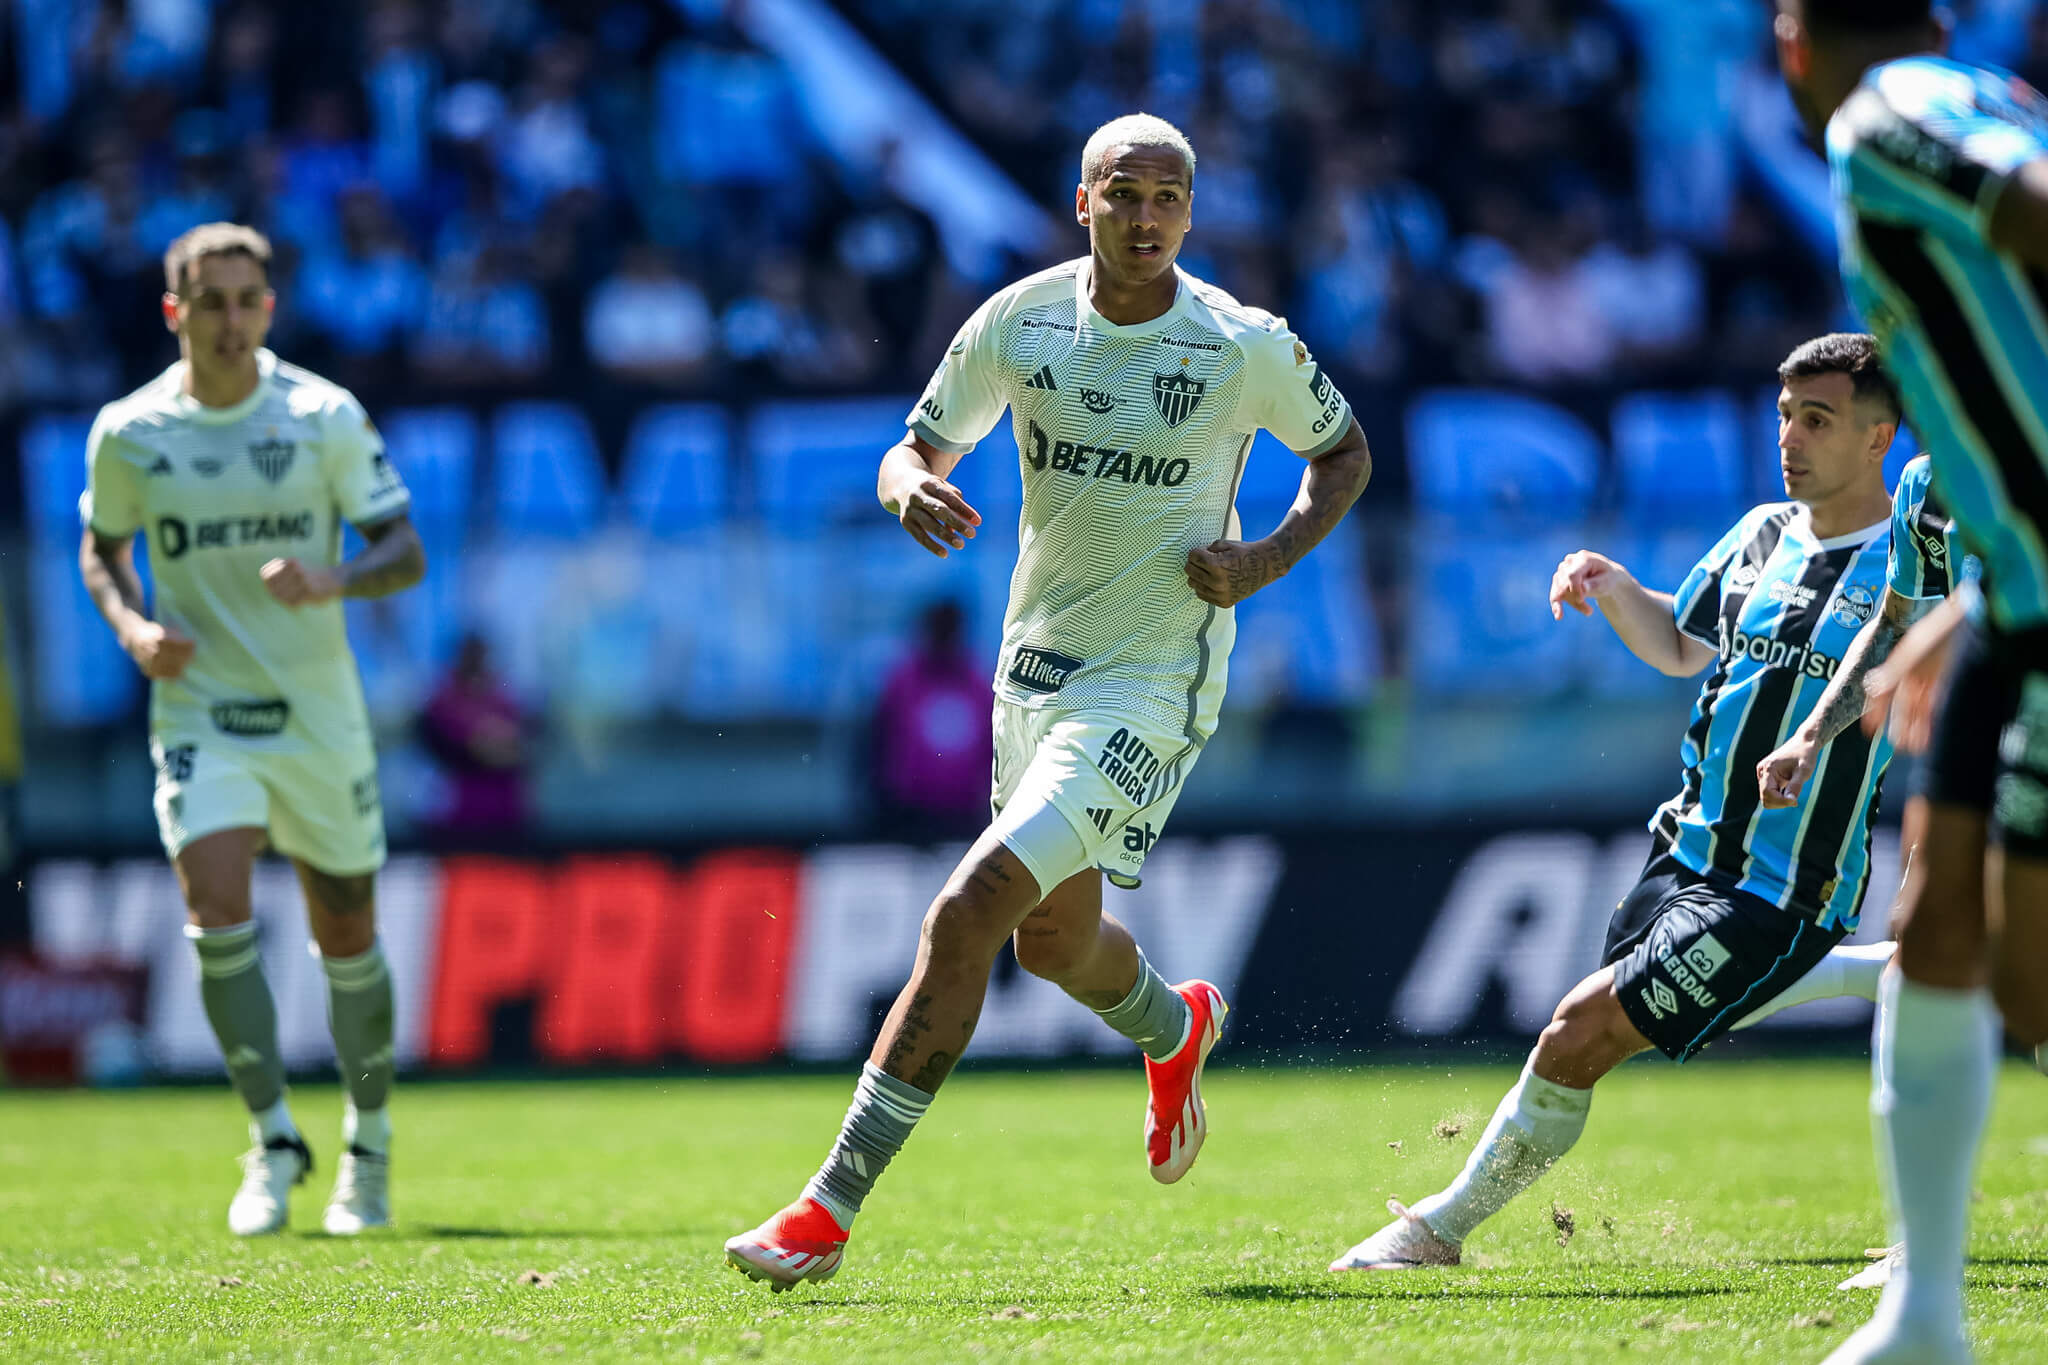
(1131, 442)
(218, 492)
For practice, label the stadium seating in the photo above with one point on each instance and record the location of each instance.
(79, 675)
(546, 477)
(676, 480)
(1479, 452)
(1679, 456)
(815, 462)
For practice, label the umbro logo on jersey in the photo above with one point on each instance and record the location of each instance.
(1100, 817)
(1096, 401)
(1745, 576)
(1042, 380)
(161, 468)
(1177, 396)
(272, 457)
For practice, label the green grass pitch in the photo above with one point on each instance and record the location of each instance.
(1712, 1212)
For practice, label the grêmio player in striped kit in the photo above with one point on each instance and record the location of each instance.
(1741, 910)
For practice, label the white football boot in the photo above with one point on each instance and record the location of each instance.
(362, 1193)
(1878, 1274)
(1407, 1243)
(263, 1203)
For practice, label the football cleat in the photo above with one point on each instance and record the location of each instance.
(362, 1193)
(1176, 1121)
(1878, 1274)
(803, 1242)
(263, 1203)
(1407, 1243)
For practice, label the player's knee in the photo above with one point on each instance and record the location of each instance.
(211, 906)
(961, 932)
(1941, 939)
(1586, 1033)
(2021, 990)
(1049, 953)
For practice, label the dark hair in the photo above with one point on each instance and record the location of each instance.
(1850, 353)
(1866, 16)
(213, 239)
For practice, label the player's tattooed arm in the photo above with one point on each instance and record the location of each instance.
(1784, 772)
(1226, 572)
(1841, 704)
(391, 561)
(107, 564)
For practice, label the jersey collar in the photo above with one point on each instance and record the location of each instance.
(1801, 525)
(189, 407)
(1085, 311)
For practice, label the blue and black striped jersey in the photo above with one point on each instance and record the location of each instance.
(1780, 609)
(1925, 560)
(1920, 154)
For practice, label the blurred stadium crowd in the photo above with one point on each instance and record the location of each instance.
(634, 315)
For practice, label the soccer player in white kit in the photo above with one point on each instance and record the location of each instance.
(239, 470)
(1135, 391)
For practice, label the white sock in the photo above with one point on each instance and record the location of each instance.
(1849, 969)
(1935, 1057)
(274, 1122)
(1536, 1124)
(369, 1129)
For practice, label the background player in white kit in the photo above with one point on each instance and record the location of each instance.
(1135, 392)
(239, 469)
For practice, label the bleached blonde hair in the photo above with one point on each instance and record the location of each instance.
(1132, 130)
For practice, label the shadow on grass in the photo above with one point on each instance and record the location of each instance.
(2005, 1262)
(1460, 1288)
(440, 1232)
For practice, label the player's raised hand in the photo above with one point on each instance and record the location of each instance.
(1783, 773)
(1902, 688)
(1225, 572)
(300, 585)
(936, 515)
(1582, 578)
(158, 650)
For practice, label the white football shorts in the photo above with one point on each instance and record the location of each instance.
(320, 805)
(1079, 791)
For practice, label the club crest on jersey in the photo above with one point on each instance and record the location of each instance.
(1177, 396)
(1855, 606)
(272, 457)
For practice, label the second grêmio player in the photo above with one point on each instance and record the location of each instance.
(1135, 391)
(1741, 910)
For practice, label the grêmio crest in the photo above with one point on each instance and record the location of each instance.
(272, 457)
(1176, 396)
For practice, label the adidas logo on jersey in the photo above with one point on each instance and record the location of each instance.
(161, 468)
(1042, 380)
(1100, 817)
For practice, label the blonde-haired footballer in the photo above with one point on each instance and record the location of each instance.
(1135, 391)
(239, 470)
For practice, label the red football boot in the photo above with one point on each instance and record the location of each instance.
(803, 1242)
(1175, 1120)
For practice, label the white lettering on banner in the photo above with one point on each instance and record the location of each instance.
(131, 913)
(1514, 915)
(1197, 913)
(1529, 912)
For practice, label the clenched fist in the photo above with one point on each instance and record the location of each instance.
(300, 585)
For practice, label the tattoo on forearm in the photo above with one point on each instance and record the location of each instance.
(1847, 695)
(393, 561)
